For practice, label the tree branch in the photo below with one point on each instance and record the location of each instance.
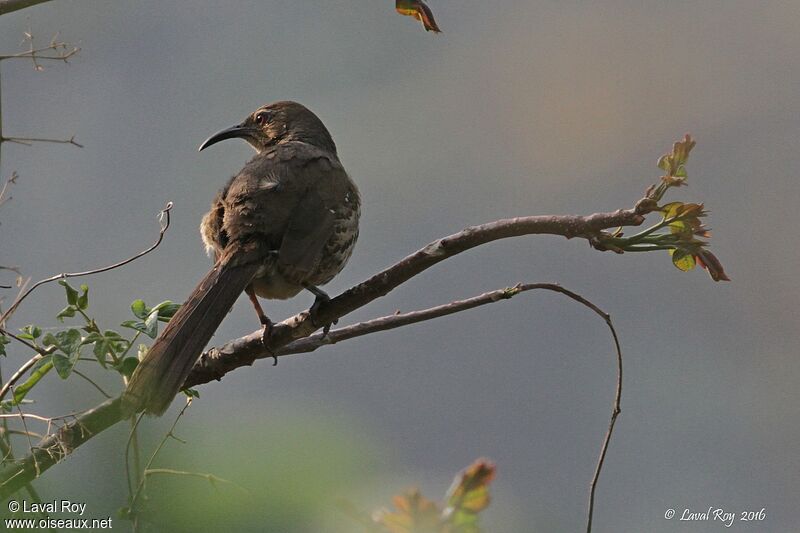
(243, 351)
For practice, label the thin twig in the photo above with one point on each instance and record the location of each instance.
(163, 219)
(95, 385)
(614, 414)
(21, 432)
(30, 442)
(211, 478)
(169, 434)
(134, 425)
(28, 141)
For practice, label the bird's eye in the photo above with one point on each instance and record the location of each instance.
(262, 118)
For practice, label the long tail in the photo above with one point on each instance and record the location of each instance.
(162, 372)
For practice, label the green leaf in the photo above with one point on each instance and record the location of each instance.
(166, 310)
(469, 495)
(72, 294)
(41, 368)
(3, 341)
(33, 331)
(191, 393)
(109, 342)
(69, 341)
(663, 162)
(83, 299)
(68, 311)
(682, 259)
(139, 309)
(151, 325)
(127, 366)
(143, 327)
(63, 365)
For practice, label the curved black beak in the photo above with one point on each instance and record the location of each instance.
(238, 131)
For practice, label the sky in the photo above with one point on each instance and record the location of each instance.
(517, 108)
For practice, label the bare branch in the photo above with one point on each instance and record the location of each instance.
(243, 351)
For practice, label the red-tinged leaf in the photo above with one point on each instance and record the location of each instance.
(680, 151)
(415, 514)
(468, 496)
(709, 261)
(682, 259)
(420, 11)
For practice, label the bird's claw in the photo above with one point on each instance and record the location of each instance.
(266, 333)
(319, 301)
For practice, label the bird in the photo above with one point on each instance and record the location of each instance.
(287, 222)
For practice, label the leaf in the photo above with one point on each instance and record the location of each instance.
(108, 342)
(191, 393)
(69, 341)
(68, 311)
(63, 365)
(151, 325)
(127, 366)
(83, 299)
(166, 310)
(709, 261)
(139, 309)
(683, 259)
(663, 162)
(3, 341)
(420, 11)
(414, 514)
(72, 294)
(31, 332)
(42, 367)
(469, 495)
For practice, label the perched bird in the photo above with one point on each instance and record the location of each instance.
(287, 221)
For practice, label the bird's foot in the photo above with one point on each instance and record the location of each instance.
(321, 298)
(266, 333)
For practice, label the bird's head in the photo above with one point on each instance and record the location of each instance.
(277, 122)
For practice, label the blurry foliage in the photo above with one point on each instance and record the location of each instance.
(414, 513)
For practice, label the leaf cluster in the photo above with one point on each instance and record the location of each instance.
(61, 349)
(681, 230)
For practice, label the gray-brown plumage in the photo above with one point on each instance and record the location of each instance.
(287, 221)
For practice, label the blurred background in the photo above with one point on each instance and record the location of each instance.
(518, 108)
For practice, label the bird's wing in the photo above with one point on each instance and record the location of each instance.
(311, 222)
(285, 200)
